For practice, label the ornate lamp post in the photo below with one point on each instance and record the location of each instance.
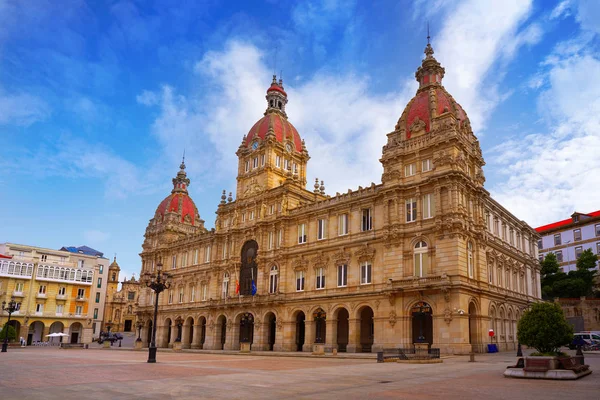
(158, 282)
(10, 308)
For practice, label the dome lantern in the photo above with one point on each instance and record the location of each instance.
(276, 97)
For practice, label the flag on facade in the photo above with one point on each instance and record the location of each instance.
(253, 288)
(237, 287)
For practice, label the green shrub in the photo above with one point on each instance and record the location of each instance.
(545, 328)
(12, 334)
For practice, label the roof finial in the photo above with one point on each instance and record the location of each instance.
(428, 48)
(182, 166)
(428, 37)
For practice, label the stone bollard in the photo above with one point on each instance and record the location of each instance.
(380, 356)
(334, 352)
(471, 357)
(579, 356)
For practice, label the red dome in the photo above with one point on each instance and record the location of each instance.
(277, 88)
(282, 128)
(418, 108)
(181, 204)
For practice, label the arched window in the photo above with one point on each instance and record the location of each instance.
(273, 277)
(225, 285)
(470, 259)
(421, 259)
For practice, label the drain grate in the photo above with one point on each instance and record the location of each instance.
(385, 381)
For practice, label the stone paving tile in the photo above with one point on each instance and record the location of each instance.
(48, 374)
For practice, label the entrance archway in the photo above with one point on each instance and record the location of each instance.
(248, 269)
(472, 324)
(17, 326)
(128, 325)
(246, 328)
(76, 331)
(221, 332)
(367, 329)
(422, 323)
(300, 318)
(36, 332)
(271, 321)
(188, 333)
(202, 331)
(167, 332)
(319, 316)
(56, 327)
(342, 329)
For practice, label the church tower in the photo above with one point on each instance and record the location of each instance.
(113, 278)
(272, 152)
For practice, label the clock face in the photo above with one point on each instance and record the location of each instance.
(288, 147)
(254, 145)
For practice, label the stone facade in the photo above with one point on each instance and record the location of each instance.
(424, 256)
(121, 304)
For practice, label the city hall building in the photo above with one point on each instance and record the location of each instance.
(424, 256)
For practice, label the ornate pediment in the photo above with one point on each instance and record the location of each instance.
(253, 188)
(365, 253)
(320, 260)
(300, 264)
(341, 257)
(417, 127)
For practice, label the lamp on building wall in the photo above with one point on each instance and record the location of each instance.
(158, 282)
(10, 308)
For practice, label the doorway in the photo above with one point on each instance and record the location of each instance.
(422, 323)
(300, 318)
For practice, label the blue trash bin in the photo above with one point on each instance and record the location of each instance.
(492, 348)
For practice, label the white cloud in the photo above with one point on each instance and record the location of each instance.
(475, 37)
(561, 10)
(22, 109)
(553, 174)
(94, 237)
(343, 125)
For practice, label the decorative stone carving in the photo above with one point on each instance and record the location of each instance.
(300, 264)
(365, 253)
(341, 257)
(447, 316)
(377, 302)
(320, 260)
(417, 127)
(392, 318)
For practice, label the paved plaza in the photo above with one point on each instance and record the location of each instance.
(52, 373)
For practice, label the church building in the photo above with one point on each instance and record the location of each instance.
(424, 256)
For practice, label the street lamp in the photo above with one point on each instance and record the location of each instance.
(139, 327)
(10, 308)
(158, 282)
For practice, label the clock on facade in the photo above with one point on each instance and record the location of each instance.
(288, 147)
(254, 145)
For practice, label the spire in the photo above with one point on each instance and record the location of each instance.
(430, 72)
(276, 97)
(181, 181)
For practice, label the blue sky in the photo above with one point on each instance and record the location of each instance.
(98, 100)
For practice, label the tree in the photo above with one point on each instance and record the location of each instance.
(586, 264)
(12, 333)
(545, 328)
(550, 274)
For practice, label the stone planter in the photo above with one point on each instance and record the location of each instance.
(541, 363)
(177, 346)
(245, 347)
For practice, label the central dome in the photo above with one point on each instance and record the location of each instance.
(275, 120)
(179, 203)
(431, 101)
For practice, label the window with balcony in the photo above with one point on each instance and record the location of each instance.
(59, 309)
(426, 165)
(342, 275)
(42, 289)
(320, 278)
(80, 293)
(421, 259)
(78, 310)
(577, 234)
(367, 220)
(273, 279)
(39, 308)
(410, 170)
(365, 273)
(428, 206)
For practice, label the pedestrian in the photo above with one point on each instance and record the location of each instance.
(22, 340)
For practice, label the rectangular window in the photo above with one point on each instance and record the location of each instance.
(577, 234)
(80, 263)
(597, 229)
(365, 273)
(342, 275)
(295, 168)
(97, 297)
(271, 240)
(559, 256)
(278, 161)
(255, 162)
(247, 166)
(557, 241)
(195, 256)
(39, 308)
(598, 248)
(518, 241)
(411, 210)
(540, 244)
(428, 206)
(342, 224)
(99, 284)
(299, 281)
(321, 229)
(301, 233)
(320, 278)
(204, 291)
(170, 299)
(78, 310)
(273, 281)
(181, 295)
(224, 251)
(578, 251)
(410, 170)
(272, 209)
(131, 295)
(280, 238)
(80, 293)
(62, 290)
(367, 220)
(251, 215)
(426, 165)
(262, 160)
(95, 313)
(100, 268)
(496, 227)
(243, 217)
(42, 289)
(207, 254)
(19, 287)
(173, 262)
(184, 259)
(512, 237)
(286, 164)
(44, 258)
(60, 308)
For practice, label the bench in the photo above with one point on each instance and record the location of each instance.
(571, 364)
(533, 365)
(71, 345)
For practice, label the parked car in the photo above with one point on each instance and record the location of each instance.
(589, 339)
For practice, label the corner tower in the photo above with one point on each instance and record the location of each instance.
(272, 152)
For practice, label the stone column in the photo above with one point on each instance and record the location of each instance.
(353, 335)
(378, 335)
(279, 336)
(195, 340)
(159, 340)
(309, 335)
(173, 334)
(211, 340)
(331, 337)
(259, 341)
(186, 340)
(286, 337)
(231, 341)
